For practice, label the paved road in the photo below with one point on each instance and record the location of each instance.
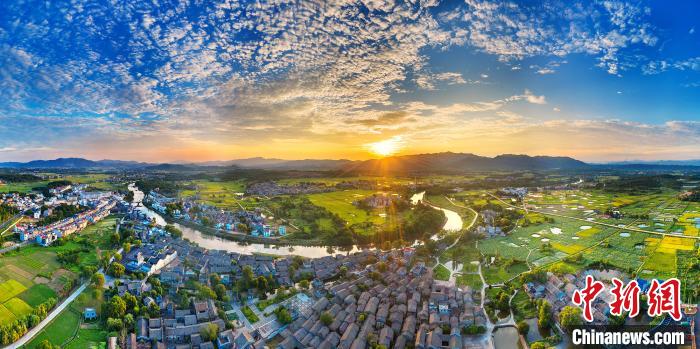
(56, 311)
(10, 223)
(596, 222)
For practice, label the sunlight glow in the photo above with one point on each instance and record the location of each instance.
(386, 147)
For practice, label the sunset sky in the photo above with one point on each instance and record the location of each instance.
(219, 80)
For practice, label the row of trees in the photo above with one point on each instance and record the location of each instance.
(12, 332)
(6, 211)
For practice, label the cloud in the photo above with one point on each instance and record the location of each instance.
(223, 73)
(514, 31)
(656, 67)
(427, 81)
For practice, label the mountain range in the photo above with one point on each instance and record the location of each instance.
(446, 162)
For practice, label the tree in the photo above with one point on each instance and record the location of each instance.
(129, 322)
(248, 276)
(538, 345)
(45, 344)
(326, 318)
(304, 284)
(523, 327)
(153, 310)
(114, 324)
(131, 302)
(220, 290)
(116, 270)
(98, 280)
(283, 315)
(570, 317)
(544, 315)
(117, 307)
(127, 247)
(174, 232)
(208, 332)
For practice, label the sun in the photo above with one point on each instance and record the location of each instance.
(386, 147)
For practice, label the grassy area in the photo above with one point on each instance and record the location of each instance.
(32, 274)
(94, 180)
(21, 187)
(37, 294)
(471, 280)
(220, 194)
(250, 315)
(523, 306)
(440, 272)
(67, 329)
(62, 328)
(341, 203)
(502, 272)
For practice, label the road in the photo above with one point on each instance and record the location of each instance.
(52, 315)
(15, 219)
(596, 222)
(57, 310)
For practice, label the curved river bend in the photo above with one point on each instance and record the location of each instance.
(454, 223)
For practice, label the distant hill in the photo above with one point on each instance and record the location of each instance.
(445, 163)
(280, 164)
(72, 163)
(657, 162)
(461, 162)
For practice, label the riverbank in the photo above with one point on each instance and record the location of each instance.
(248, 238)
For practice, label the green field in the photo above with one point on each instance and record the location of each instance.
(341, 203)
(441, 273)
(220, 194)
(31, 275)
(62, 328)
(21, 187)
(68, 330)
(37, 294)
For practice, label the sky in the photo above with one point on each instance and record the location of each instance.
(208, 80)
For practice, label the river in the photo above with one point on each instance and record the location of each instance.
(454, 220)
(216, 243)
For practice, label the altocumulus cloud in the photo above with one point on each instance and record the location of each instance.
(222, 70)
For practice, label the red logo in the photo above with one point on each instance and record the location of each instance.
(665, 298)
(626, 298)
(587, 295)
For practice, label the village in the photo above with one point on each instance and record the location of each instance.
(246, 222)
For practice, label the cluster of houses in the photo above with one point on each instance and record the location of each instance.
(401, 309)
(397, 305)
(46, 235)
(519, 193)
(256, 223)
(22, 202)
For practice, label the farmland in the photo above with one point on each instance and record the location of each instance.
(70, 331)
(341, 203)
(224, 194)
(31, 275)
